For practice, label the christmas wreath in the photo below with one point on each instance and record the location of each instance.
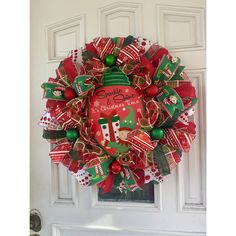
(117, 113)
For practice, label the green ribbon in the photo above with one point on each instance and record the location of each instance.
(114, 76)
(128, 40)
(88, 55)
(98, 170)
(177, 75)
(169, 122)
(80, 85)
(52, 91)
(165, 70)
(117, 180)
(162, 163)
(74, 155)
(54, 134)
(172, 108)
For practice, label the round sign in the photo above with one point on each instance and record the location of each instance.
(114, 112)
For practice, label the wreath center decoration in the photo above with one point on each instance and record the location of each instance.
(117, 113)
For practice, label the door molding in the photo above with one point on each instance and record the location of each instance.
(60, 229)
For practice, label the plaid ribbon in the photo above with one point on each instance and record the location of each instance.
(95, 68)
(173, 156)
(85, 148)
(142, 74)
(155, 54)
(161, 160)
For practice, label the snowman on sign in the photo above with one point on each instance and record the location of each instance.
(118, 137)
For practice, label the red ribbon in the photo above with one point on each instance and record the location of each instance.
(140, 140)
(155, 54)
(148, 118)
(64, 117)
(179, 138)
(95, 68)
(106, 184)
(70, 68)
(129, 53)
(58, 153)
(103, 46)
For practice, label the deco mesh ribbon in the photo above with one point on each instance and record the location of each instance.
(118, 113)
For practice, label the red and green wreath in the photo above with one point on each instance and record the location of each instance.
(117, 113)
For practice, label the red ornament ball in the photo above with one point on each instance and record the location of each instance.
(116, 167)
(152, 91)
(70, 93)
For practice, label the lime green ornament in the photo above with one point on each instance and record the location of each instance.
(72, 134)
(110, 60)
(157, 133)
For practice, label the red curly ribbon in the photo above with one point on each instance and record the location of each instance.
(148, 118)
(139, 158)
(142, 74)
(95, 68)
(88, 148)
(76, 105)
(145, 67)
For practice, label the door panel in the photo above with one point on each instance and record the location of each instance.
(175, 207)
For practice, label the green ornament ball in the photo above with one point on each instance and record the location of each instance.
(110, 60)
(157, 133)
(72, 134)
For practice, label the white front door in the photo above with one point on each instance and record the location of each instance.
(175, 207)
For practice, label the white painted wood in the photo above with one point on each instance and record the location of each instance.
(122, 17)
(68, 209)
(71, 230)
(191, 172)
(64, 188)
(64, 34)
(187, 20)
